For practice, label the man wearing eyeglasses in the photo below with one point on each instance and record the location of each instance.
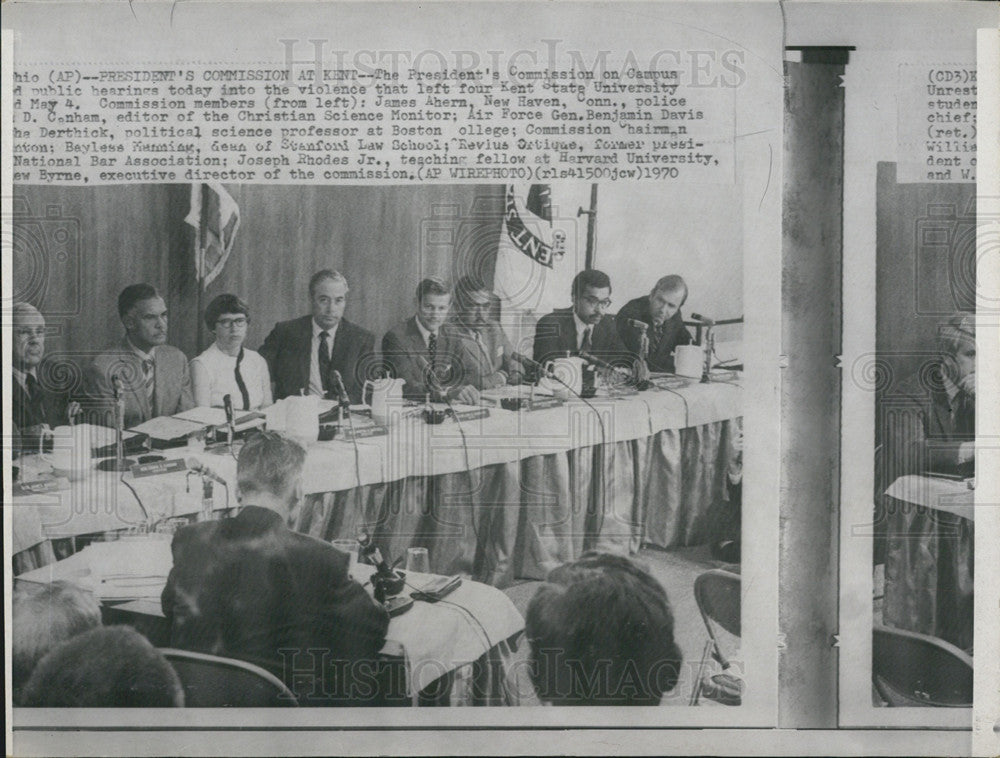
(585, 326)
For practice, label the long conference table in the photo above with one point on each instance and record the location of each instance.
(496, 499)
(930, 533)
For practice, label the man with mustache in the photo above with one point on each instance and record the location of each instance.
(154, 375)
(584, 327)
(486, 349)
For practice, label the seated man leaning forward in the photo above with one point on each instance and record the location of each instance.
(661, 310)
(251, 588)
(601, 632)
(427, 354)
(930, 420)
(486, 350)
(153, 375)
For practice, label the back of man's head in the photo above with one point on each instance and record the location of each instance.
(107, 667)
(601, 632)
(270, 464)
(44, 616)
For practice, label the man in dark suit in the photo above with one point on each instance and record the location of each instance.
(661, 310)
(930, 420)
(250, 588)
(153, 375)
(303, 353)
(584, 326)
(426, 353)
(35, 408)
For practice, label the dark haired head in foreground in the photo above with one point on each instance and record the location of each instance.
(602, 633)
(107, 667)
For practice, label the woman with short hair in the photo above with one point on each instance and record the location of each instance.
(226, 367)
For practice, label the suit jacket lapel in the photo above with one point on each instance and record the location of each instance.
(567, 333)
(137, 387)
(414, 339)
(304, 353)
(338, 353)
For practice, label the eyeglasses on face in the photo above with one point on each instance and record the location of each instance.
(232, 323)
(593, 302)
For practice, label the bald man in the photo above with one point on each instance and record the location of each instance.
(36, 408)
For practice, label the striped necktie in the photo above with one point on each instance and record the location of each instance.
(149, 371)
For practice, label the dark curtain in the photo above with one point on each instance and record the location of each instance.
(75, 248)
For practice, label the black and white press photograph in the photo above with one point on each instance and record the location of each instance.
(375, 446)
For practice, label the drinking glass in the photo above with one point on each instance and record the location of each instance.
(418, 561)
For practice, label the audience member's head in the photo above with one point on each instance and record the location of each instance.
(107, 667)
(601, 632)
(666, 298)
(957, 348)
(269, 473)
(433, 302)
(29, 336)
(144, 315)
(44, 616)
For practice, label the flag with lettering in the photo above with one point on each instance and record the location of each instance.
(543, 244)
(215, 217)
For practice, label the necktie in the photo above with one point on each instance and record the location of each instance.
(34, 400)
(432, 346)
(240, 383)
(324, 361)
(585, 344)
(149, 371)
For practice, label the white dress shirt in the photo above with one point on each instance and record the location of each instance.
(213, 374)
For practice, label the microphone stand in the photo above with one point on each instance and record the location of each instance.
(119, 462)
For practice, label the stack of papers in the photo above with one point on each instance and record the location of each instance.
(128, 569)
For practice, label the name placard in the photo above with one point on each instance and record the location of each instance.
(473, 415)
(541, 403)
(40, 486)
(159, 467)
(361, 432)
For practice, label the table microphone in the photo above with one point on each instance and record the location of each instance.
(432, 416)
(590, 358)
(198, 467)
(642, 380)
(119, 462)
(342, 397)
(532, 364)
(703, 319)
(344, 404)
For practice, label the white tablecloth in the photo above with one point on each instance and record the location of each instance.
(99, 502)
